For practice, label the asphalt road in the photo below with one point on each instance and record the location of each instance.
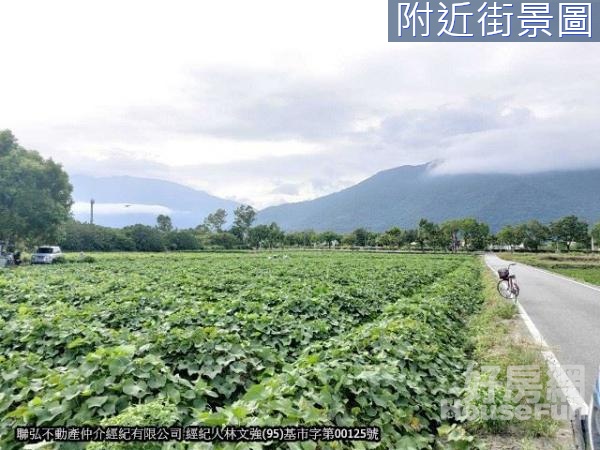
(567, 315)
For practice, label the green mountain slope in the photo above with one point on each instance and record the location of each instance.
(402, 196)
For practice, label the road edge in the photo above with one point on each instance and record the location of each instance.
(576, 402)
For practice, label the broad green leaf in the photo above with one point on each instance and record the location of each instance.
(96, 402)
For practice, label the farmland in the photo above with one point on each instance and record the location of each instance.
(251, 339)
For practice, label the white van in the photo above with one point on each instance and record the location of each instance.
(46, 254)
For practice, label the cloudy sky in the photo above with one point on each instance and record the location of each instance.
(274, 101)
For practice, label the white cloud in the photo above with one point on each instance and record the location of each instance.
(119, 208)
(546, 145)
(275, 101)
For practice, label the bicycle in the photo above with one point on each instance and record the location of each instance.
(507, 286)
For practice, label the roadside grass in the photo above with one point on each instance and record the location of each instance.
(588, 275)
(501, 340)
(583, 267)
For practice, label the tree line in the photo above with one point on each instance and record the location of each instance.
(466, 234)
(163, 236)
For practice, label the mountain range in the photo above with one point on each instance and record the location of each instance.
(403, 195)
(394, 197)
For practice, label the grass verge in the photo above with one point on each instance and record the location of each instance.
(501, 341)
(582, 267)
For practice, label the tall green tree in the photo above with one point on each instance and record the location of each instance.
(533, 234)
(304, 238)
(568, 230)
(409, 237)
(145, 238)
(224, 240)
(215, 221)
(35, 194)
(309, 237)
(276, 235)
(258, 236)
(244, 217)
(508, 235)
(452, 229)
(329, 237)
(393, 237)
(164, 223)
(475, 234)
(427, 234)
(359, 237)
(441, 239)
(182, 240)
(265, 236)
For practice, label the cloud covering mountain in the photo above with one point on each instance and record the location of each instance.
(122, 201)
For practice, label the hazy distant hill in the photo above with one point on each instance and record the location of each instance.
(187, 207)
(403, 195)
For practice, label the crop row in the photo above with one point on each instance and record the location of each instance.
(392, 372)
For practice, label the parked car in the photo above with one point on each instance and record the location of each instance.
(46, 254)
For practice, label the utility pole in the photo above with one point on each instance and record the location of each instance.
(92, 201)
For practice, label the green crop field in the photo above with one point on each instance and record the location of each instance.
(345, 339)
(584, 267)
